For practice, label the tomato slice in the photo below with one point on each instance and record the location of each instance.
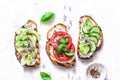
(62, 57)
(72, 48)
(55, 39)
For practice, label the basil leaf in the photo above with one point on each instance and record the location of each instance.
(64, 40)
(45, 76)
(61, 48)
(47, 16)
(69, 53)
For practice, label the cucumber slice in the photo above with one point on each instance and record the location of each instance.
(92, 46)
(85, 29)
(84, 48)
(95, 34)
(87, 25)
(93, 39)
(86, 35)
(95, 29)
(88, 22)
(69, 53)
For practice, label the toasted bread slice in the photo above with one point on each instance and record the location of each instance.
(100, 42)
(37, 59)
(49, 48)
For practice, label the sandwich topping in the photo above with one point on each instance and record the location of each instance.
(90, 36)
(26, 48)
(63, 48)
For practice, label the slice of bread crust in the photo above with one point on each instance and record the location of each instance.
(57, 27)
(100, 41)
(37, 46)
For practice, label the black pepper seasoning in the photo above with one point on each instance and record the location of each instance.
(94, 73)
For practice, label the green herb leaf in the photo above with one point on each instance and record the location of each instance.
(69, 53)
(61, 48)
(45, 76)
(64, 40)
(47, 16)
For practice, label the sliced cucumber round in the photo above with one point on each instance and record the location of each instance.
(93, 39)
(87, 22)
(84, 48)
(92, 46)
(95, 29)
(86, 35)
(87, 25)
(85, 29)
(95, 34)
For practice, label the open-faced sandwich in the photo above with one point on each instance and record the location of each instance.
(26, 42)
(59, 46)
(90, 37)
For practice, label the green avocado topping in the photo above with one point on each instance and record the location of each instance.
(26, 40)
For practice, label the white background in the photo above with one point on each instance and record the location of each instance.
(15, 13)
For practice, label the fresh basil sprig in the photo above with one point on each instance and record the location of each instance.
(62, 47)
(47, 16)
(64, 40)
(45, 76)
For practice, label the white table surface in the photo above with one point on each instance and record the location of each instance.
(15, 13)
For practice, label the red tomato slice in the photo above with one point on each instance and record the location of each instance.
(55, 39)
(72, 48)
(62, 57)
